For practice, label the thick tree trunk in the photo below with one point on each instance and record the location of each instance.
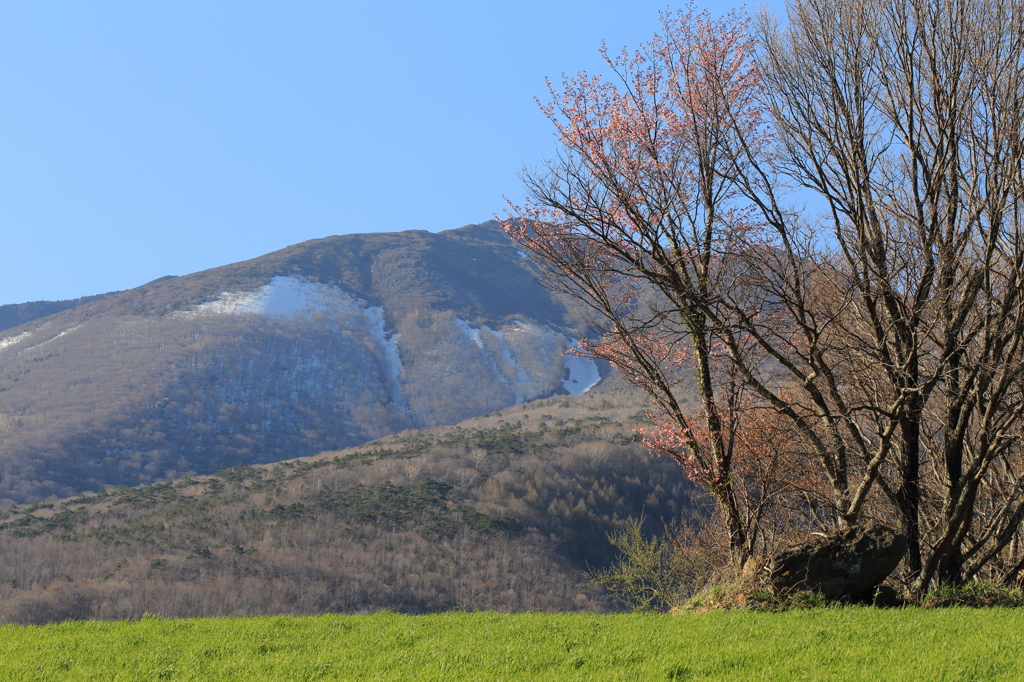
(951, 566)
(908, 495)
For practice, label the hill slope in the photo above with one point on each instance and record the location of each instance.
(500, 512)
(321, 345)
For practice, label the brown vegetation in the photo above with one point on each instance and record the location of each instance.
(503, 512)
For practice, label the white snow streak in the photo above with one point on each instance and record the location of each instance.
(472, 334)
(52, 338)
(11, 340)
(522, 377)
(389, 344)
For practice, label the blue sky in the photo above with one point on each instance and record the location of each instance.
(142, 139)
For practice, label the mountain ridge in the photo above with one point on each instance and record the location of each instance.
(17, 314)
(352, 256)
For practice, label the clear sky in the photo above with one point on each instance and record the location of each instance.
(142, 139)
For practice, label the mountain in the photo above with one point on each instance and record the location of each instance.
(322, 345)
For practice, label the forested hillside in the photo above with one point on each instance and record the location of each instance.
(325, 344)
(500, 512)
(17, 314)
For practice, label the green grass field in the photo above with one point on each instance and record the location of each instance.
(824, 644)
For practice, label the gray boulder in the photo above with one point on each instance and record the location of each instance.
(845, 565)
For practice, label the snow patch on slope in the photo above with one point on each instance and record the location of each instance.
(287, 296)
(520, 356)
(291, 297)
(581, 374)
(11, 340)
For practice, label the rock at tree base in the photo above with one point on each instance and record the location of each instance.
(844, 565)
(882, 596)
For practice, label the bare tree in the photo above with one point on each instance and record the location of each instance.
(887, 330)
(906, 119)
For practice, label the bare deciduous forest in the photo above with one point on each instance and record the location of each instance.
(501, 512)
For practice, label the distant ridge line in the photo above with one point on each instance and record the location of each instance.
(17, 314)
